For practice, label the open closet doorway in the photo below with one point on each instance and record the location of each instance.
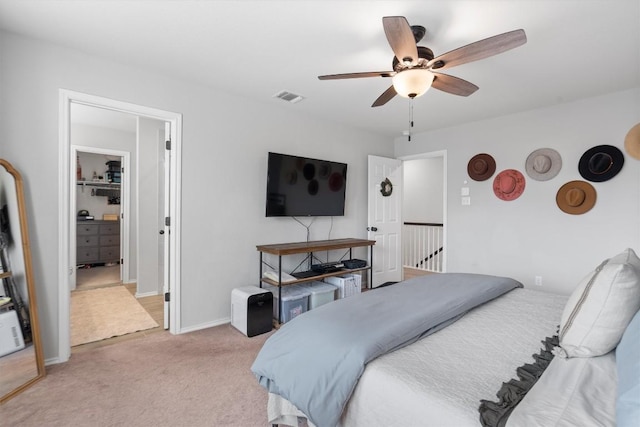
(101, 208)
(145, 271)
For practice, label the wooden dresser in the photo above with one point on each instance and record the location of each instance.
(97, 242)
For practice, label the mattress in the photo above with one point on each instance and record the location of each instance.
(441, 379)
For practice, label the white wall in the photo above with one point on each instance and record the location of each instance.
(531, 236)
(422, 192)
(225, 145)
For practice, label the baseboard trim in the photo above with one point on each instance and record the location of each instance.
(147, 294)
(205, 325)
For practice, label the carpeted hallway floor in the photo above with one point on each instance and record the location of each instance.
(202, 378)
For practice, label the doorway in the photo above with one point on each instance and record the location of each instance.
(387, 219)
(111, 194)
(423, 214)
(169, 291)
(99, 198)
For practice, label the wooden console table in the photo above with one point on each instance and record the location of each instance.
(309, 248)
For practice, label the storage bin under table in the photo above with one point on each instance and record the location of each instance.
(295, 301)
(346, 285)
(320, 293)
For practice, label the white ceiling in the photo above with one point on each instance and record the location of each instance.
(254, 49)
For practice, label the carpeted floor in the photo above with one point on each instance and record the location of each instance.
(197, 379)
(102, 313)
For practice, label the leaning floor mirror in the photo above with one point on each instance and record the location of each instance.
(21, 358)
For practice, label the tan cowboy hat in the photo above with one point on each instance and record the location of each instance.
(576, 197)
(481, 167)
(632, 142)
(543, 164)
(509, 184)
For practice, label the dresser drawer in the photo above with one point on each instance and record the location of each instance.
(110, 229)
(88, 240)
(113, 240)
(110, 254)
(87, 255)
(97, 242)
(87, 229)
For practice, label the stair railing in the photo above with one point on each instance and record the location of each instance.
(423, 246)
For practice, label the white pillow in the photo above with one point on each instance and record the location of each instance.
(599, 310)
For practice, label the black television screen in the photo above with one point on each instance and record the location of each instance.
(299, 186)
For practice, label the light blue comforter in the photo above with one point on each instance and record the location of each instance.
(316, 359)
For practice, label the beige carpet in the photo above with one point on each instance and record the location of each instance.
(98, 314)
(199, 379)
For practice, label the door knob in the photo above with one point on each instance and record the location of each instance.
(161, 231)
(372, 228)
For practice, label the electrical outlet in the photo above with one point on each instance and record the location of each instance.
(538, 280)
(466, 201)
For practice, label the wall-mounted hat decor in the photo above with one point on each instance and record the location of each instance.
(509, 184)
(543, 164)
(576, 197)
(481, 167)
(632, 142)
(601, 163)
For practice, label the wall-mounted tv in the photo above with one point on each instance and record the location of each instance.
(299, 186)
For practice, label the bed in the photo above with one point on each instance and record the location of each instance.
(513, 356)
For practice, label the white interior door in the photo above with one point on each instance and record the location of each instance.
(385, 219)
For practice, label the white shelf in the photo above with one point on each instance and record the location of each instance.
(99, 184)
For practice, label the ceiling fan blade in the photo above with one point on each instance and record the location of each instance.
(386, 96)
(401, 39)
(479, 50)
(357, 75)
(453, 85)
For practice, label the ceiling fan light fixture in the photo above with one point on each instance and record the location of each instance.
(413, 82)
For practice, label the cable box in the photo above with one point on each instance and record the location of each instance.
(327, 267)
(354, 263)
(305, 274)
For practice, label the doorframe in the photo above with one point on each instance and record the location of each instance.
(124, 210)
(66, 97)
(429, 155)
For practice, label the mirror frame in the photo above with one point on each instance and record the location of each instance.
(33, 306)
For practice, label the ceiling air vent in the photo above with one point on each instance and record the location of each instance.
(288, 96)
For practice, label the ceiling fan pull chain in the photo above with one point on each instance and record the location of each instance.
(410, 118)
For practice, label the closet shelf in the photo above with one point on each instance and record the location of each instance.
(98, 184)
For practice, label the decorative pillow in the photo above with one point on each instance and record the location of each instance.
(599, 310)
(628, 364)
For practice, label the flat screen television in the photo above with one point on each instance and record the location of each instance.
(299, 186)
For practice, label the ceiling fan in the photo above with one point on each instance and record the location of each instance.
(414, 66)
